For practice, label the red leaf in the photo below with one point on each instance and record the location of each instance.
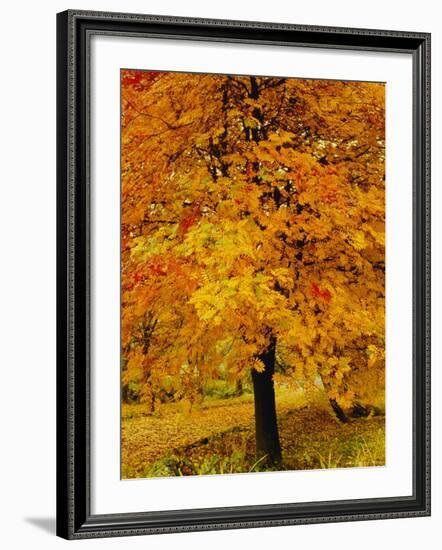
(317, 292)
(157, 269)
(140, 80)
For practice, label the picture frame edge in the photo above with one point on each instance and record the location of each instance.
(73, 488)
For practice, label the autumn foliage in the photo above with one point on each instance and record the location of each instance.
(253, 213)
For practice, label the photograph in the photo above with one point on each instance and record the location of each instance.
(243, 271)
(252, 273)
(217, 285)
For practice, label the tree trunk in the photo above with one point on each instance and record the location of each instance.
(337, 409)
(239, 390)
(339, 412)
(267, 437)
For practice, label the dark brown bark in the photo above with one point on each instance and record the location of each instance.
(239, 390)
(266, 425)
(338, 410)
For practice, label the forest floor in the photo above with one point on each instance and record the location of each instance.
(218, 437)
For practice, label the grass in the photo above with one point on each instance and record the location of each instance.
(173, 465)
(362, 454)
(233, 452)
(330, 462)
(218, 438)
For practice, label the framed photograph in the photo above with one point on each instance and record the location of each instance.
(243, 274)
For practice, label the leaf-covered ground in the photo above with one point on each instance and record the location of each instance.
(218, 437)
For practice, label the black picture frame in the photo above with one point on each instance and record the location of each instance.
(74, 518)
